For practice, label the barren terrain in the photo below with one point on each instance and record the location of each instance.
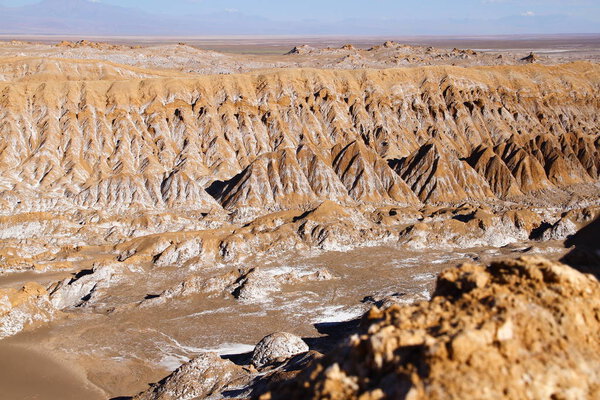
(159, 200)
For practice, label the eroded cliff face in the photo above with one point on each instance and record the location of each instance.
(269, 142)
(259, 163)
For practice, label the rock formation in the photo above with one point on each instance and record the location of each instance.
(531, 58)
(203, 377)
(83, 288)
(26, 307)
(489, 165)
(458, 135)
(438, 177)
(518, 329)
(278, 346)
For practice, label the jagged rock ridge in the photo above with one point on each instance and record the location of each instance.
(292, 139)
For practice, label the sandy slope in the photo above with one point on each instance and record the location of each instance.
(34, 374)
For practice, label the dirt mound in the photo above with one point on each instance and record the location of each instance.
(518, 329)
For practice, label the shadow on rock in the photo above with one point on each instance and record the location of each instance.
(239, 359)
(585, 256)
(334, 333)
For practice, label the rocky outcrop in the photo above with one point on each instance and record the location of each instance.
(45, 69)
(301, 50)
(84, 288)
(207, 170)
(587, 153)
(525, 328)
(330, 226)
(286, 179)
(24, 307)
(531, 58)
(95, 45)
(526, 169)
(244, 284)
(321, 176)
(559, 160)
(203, 377)
(256, 284)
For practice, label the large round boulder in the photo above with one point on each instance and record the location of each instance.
(277, 347)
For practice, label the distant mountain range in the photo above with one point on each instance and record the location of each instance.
(95, 18)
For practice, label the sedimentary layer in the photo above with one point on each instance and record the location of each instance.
(258, 143)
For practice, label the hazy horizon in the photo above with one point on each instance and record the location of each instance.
(267, 17)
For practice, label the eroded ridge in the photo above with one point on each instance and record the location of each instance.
(269, 142)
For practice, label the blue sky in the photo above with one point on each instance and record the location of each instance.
(300, 17)
(341, 9)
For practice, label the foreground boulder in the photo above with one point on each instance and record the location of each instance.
(522, 329)
(278, 346)
(203, 377)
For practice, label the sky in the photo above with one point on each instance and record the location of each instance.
(372, 9)
(273, 17)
